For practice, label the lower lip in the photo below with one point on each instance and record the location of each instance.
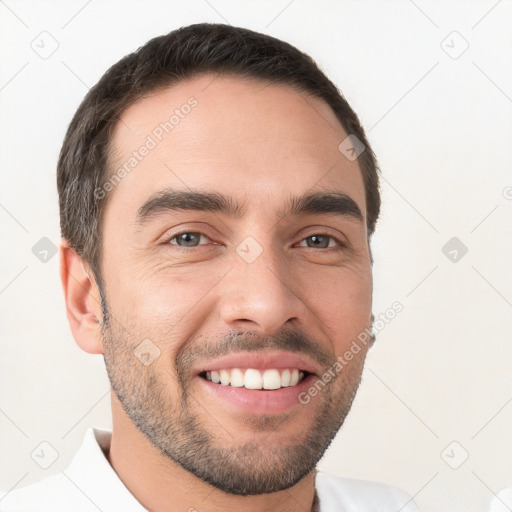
(259, 401)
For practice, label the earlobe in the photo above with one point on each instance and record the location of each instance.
(83, 301)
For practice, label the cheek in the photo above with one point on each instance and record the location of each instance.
(165, 305)
(174, 293)
(343, 303)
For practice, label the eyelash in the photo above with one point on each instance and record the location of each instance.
(341, 245)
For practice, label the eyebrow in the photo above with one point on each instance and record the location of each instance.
(168, 200)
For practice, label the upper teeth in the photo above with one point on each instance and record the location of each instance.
(255, 379)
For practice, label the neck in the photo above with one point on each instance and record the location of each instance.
(161, 485)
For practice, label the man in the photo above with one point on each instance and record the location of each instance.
(217, 199)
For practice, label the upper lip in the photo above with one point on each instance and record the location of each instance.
(260, 361)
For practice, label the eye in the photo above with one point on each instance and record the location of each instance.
(321, 241)
(190, 239)
(187, 239)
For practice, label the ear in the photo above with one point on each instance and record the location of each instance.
(83, 300)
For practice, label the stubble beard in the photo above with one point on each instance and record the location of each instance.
(177, 428)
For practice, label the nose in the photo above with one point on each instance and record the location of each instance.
(261, 295)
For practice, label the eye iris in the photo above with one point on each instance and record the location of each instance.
(192, 239)
(189, 239)
(324, 241)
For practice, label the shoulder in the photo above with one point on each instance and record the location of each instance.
(54, 494)
(502, 501)
(354, 495)
(76, 488)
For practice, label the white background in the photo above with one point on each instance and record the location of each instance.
(441, 127)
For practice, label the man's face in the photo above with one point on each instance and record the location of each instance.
(256, 295)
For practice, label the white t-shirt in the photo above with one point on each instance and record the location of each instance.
(502, 501)
(90, 484)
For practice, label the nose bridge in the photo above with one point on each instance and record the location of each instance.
(260, 290)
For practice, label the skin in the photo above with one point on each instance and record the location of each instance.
(258, 143)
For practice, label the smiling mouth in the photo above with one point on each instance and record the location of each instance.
(252, 378)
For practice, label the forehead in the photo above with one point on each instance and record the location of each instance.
(223, 133)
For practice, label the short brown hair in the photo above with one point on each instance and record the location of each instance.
(165, 61)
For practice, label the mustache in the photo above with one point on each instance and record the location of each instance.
(294, 341)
